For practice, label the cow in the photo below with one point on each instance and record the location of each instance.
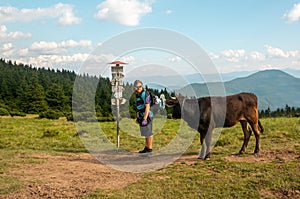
(206, 113)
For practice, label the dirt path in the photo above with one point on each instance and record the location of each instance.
(75, 175)
(66, 176)
(265, 156)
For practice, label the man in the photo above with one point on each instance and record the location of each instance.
(144, 115)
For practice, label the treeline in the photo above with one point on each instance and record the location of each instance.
(47, 92)
(281, 112)
(28, 90)
(51, 94)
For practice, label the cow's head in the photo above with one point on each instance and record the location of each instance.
(172, 102)
(187, 109)
(176, 103)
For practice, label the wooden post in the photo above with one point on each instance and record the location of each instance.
(117, 83)
(118, 116)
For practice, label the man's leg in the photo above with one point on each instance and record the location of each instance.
(149, 141)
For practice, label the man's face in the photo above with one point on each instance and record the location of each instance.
(138, 88)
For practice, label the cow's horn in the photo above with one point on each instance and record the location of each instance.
(174, 98)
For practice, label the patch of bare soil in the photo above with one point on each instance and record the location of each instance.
(187, 159)
(67, 176)
(285, 194)
(265, 156)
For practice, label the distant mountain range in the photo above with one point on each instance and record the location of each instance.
(175, 82)
(274, 88)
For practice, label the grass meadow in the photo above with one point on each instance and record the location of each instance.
(275, 173)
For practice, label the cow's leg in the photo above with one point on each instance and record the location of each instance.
(247, 133)
(255, 128)
(205, 139)
(203, 145)
(202, 151)
(208, 139)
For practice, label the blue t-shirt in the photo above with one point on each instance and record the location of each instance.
(142, 99)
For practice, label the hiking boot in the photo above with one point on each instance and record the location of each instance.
(146, 150)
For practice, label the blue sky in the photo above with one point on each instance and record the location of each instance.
(237, 35)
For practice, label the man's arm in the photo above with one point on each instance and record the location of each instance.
(147, 108)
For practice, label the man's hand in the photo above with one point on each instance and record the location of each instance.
(144, 123)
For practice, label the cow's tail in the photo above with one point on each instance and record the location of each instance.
(261, 127)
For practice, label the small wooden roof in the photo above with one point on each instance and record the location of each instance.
(117, 62)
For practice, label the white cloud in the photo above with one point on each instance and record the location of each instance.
(64, 13)
(233, 55)
(7, 46)
(67, 16)
(128, 59)
(267, 66)
(4, 36)
(23, 52)
(277, 52)
(258, 56)
(43, 45)
(6, 50)
(72, 43)
(294, 14)
(213, 56)
(3, 28)
(54, 60)
(271, 57)
(46, 54)
(56, 48)
(125, 12)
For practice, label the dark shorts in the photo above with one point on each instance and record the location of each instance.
(146, 130)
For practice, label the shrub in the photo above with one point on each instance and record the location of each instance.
(69, 116)
(3, 112)
(50, 114)
(16, 113)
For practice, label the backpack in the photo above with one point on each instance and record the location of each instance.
(152, 98)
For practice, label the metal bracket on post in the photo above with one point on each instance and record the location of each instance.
(117, 90)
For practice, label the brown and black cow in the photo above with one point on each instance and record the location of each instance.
(206, 113)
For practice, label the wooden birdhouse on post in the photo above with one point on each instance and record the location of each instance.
(117, 83)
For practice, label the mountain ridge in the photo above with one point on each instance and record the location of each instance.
(274, 88)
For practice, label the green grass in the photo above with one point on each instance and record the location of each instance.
(39, 134)
(216, 178)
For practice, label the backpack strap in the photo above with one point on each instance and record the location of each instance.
(143, 96)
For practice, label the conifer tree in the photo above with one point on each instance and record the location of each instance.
(36, 97)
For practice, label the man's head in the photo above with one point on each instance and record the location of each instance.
(138, 86)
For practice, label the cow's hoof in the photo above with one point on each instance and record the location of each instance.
(256, 151)
(241, 152)
(256, 154)
(207, 157)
